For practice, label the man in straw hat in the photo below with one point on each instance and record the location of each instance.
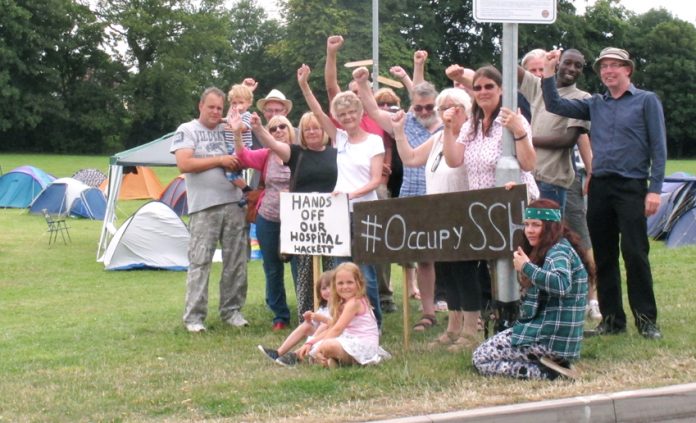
(274, 104)
(628, 167)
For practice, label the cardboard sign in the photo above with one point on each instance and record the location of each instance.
(314, 224)
(470, 225)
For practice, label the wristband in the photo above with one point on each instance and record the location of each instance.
(520, 138)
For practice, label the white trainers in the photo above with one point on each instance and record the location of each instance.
(592, 311)
(195, 327)
(237, 319)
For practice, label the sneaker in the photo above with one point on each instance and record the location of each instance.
(277, 326)
(563, 369)
(287, 360)
(237, 319)
(605, 328)
(269, 353)
(650, 331)
(592, 311)
(195, 327)
(441, 305)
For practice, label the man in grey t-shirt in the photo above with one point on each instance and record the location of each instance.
(214, 214)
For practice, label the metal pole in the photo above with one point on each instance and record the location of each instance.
(375, 44)
(508, 169)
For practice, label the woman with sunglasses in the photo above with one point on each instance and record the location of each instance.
(360, 158)
(461, 279)
(312, 165)
(276, 177)
(553, 274)
(479, 144)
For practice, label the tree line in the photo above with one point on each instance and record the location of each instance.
(99, 77)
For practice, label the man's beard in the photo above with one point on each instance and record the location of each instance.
(427, 121)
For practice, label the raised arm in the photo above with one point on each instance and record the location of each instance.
(303, 80)
(360, 75)
(460, 75)
(419, 58)
(399, 73)
(411, 157)
(451, 149)
(281, 149)
(333, 44)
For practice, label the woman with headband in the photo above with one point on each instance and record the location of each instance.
(553, 275)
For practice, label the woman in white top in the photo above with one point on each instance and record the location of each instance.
(360, 156)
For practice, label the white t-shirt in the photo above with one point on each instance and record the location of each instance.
(353, 161)
(210, 187)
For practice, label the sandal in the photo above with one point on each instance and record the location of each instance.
(426, 322)
(445, 339)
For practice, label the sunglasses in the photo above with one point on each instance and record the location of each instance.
(272, 129)
(428, 108)
(487, 87)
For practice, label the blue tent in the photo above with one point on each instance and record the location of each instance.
(20, 186)
(70, 196)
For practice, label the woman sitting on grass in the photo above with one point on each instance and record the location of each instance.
(314, 324)
(554, 280)
(353, 338)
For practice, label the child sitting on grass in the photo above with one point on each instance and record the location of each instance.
(315, 322)
(353, 337)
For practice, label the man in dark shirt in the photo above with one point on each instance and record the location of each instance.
(628, 166)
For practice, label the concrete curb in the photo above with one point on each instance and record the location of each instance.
(672, 403)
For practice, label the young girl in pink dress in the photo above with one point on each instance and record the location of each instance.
(353, 337)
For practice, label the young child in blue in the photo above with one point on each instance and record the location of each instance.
(315, 322)
(240, 98)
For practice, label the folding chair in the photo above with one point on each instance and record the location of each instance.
(56, 225)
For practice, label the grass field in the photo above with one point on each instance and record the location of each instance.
(81, 344)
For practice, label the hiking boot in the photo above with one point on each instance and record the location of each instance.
(269, 353)
(557, 369)
(237, 319)
(195, 327)
(287, 360)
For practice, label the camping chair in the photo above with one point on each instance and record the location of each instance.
(56, 225)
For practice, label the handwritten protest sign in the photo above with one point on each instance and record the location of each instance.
(314, 224)
(470, 225)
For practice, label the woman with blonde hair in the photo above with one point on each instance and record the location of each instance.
(312, 164)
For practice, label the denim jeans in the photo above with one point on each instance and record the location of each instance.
(268, 234)
(371, 287)
(553, 192)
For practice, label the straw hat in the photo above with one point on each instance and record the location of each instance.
(613, 53)
(274, 95)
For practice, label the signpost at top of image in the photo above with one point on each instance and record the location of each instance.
(511, 13)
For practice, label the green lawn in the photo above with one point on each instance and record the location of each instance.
(82, 344)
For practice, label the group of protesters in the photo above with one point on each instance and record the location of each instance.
(593, 166)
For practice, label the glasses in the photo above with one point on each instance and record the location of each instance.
(273, 111)
(428, 108)
(436, 162)
(272, 129)
(446, 108)
(486, 87)
(347, 113)
(385, 104)
(613, 65)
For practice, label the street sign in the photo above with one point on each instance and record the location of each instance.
(515, 11)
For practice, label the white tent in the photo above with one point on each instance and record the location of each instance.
(154, 153)
(153, 237)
